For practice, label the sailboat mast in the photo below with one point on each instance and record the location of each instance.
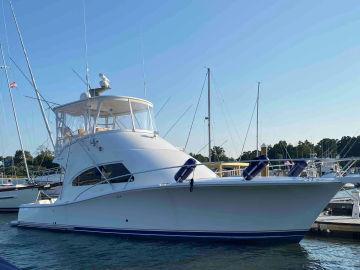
(14, 111)
(209, 113)
(32, 75)
(257, 120)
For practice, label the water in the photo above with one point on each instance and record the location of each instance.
(35, 249)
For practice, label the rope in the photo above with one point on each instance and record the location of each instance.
(197, 106)
(177, 121)
(349, 147)
(286, 151)
(227, 115)
(162, 107)
(247, 131)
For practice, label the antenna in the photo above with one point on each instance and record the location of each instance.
(86, 48)
(14, 110)
(143, 62)
(31, 75)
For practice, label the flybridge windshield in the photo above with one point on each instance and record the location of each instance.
(102, 114)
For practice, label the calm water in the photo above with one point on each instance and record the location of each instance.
(33, 249)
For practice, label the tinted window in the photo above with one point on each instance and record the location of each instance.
(93, 176)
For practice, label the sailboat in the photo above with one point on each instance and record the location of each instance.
(12, 195)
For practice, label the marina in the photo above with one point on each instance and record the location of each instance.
(125, 171)
(22, 247)
(340, 225)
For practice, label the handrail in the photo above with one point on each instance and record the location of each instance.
(13, 181)
(46, 172)
(109, 180)
(317, 160)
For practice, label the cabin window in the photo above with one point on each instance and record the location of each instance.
(116, 173)
(142, 116)
(123, 122)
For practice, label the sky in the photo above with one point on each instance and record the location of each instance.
(306, 54)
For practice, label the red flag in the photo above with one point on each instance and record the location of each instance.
(13, 85)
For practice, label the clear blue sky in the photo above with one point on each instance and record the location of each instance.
(305, 53)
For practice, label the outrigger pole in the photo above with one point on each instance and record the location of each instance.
(14, 111)
(32, 75)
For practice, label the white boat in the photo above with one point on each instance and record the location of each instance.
(120, 179)
(12, 196)
(50, 177)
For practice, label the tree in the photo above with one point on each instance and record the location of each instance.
(280, 150)
(305, 149)
(326, 148)
(199, 157)
(218, 154)
(248, 155)
(343, 145)
(45, 159)
(19, 160)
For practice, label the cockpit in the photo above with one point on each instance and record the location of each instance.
(103, 113)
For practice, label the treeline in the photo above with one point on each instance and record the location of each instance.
(347, 146)
(14, 165)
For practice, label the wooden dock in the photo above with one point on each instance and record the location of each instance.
(337, 226)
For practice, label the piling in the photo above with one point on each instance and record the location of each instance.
(264, 150)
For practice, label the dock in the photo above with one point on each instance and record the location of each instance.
(334, 225)
(337, 226)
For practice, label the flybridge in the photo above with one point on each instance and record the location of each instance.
(100, 114)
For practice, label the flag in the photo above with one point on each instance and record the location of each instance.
(13, 85)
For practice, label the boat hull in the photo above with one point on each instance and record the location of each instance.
(219, 212)
(11, 200)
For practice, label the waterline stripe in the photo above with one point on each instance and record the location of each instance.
(244, 235)
(183, 234)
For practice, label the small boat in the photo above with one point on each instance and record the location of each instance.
(12, 195)
(121, 177)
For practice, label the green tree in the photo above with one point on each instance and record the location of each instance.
(218, 154)
(199, 157)
(280, 150)
(305, 149)
(19, 160)
(326, 148)
(248, 155)
(45, 159)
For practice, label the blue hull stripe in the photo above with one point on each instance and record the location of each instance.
(220, 235)
(282, 235)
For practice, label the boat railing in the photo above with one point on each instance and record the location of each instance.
(46, 172)
(44, 176)
(131, 176)
(229, 173)
(13, 181)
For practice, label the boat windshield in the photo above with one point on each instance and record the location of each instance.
(102, 114)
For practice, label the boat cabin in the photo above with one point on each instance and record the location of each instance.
(102, 113)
